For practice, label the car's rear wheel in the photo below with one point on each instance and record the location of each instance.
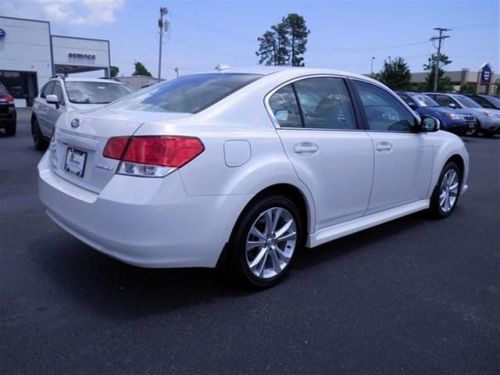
(40, 142)
(10, 129)
(447, 191)
(264, 241)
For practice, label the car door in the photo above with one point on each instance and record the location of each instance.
(318, 128)
(42, 108)
(403, 157)
(54, 111)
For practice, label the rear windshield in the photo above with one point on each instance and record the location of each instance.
(95, 92)
(187, 94)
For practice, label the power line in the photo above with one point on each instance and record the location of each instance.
(439, 38)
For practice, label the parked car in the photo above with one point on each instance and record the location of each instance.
(61, 95)
(457, 121)
(485, 101)
(240, 169)
(489, 119)
(8, 114)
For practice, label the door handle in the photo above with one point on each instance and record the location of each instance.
(384, 146)
(305, 148)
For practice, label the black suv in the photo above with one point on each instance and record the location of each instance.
(8, 113)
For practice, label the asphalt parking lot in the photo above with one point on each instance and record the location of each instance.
(413, 296)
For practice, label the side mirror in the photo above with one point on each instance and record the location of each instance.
(430, 124)
(412, 105)
(452, 105)
(53, 99)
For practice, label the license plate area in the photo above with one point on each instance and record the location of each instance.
(75, 162)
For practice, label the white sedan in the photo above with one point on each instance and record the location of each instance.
(243, 168)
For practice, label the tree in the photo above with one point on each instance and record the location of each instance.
(395, 74)
(444, 83)
(113, 71)
(140, 70)
(298, 33)
(497, 84)
(285, 43)
(468, 88)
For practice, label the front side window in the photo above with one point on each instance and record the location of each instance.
(47, 89)
(444, 101)
(383, 112)
(285, 109)
(95, 92)
(186, 94)
(58, 91)
(325, 103)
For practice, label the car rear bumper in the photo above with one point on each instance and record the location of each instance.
(141, 221)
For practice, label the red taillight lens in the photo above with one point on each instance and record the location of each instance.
(164, 151)
(6, 99)
(115, 147)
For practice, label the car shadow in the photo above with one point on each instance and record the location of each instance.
(115, 289)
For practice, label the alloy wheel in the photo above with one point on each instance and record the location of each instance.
(448, 191)
(271, 242)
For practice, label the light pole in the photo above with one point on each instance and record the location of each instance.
(371, 66)
(163, 26)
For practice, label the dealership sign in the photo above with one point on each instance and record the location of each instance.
(85, 58)
(2, 33)
(486, 74)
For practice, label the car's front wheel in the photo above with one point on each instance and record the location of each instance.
(264, 241)
(40, 142)
(447, 191)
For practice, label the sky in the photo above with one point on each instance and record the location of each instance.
(345, 35)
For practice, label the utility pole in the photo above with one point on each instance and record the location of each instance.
(163, 26)
(371, 67)
(439, 38)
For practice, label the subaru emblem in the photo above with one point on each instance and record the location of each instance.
(75, 123)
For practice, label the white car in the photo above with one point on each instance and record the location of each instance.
(60, 95)
(243, 168)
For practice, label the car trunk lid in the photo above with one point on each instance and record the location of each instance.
(76, 150)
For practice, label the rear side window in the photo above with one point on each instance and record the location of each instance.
(3, 90)
(285, 108)
(325, 103)
(187, 94)
(383, 111)
(47, 89)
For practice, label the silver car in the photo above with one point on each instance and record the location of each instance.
(60, 95)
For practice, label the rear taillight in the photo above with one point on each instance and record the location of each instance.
(153, 156)
(6, 99)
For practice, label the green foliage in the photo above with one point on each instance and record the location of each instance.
(468, 89)
(285, 43)
(140, 70)
(444, 83)
(497, 84)
(113, 71)
(395, 74)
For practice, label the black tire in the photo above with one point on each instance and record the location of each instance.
(436, 209)
(10, 129)
(237, 262)
(40, 142)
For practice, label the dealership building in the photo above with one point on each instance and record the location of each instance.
(30, 55)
